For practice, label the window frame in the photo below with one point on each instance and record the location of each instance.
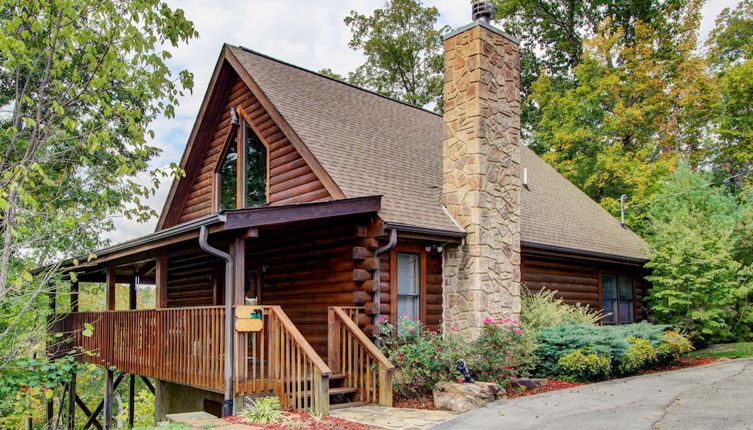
(239, 132)
(421, 252)
(633, 300)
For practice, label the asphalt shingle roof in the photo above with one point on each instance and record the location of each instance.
(371, 144)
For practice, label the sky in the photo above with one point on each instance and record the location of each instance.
(310, 34)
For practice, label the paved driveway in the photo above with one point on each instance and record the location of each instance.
(717, 396)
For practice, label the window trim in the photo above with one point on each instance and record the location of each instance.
(408, 249)
(633, 299)
(239, 130)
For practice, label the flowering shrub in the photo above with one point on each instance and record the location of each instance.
(584, 365)
(672, 347)
(424, 357)
(502, 351)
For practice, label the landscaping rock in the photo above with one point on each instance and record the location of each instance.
(527, 383)
(460, 397)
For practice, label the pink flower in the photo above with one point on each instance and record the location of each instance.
(439, 350)
(485, 373)
(506, 320)
(381, 319)
(405, 316)
(488, 320)
(461, 380)
(453, 329)
(415, 318)
(413, 331)
(518, 331)
(434, 332)
(515, 323)
(400, 358)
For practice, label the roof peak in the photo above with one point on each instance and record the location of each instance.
(295, 66)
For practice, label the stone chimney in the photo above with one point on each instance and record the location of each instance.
(482, 182)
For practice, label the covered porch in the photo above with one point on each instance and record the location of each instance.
(309, 267)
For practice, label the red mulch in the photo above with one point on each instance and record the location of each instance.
(325, 423)
(681, 363)
(549, 385)
(418, 401)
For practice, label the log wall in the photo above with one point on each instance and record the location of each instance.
(191, 279)
(291, 180)
(306, 269)
(578, 281)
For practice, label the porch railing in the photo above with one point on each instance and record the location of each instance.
(352, 353)
(186, 346)
(182, 345)
(280, 360)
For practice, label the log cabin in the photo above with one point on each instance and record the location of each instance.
(328, 208)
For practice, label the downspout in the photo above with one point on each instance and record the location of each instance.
(228, 394)
(377, 274)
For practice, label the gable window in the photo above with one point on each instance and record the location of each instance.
(617, 298)
(408, 285)
(242, 182)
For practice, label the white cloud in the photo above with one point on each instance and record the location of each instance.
(305, 33)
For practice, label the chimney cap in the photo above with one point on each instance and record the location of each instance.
(482, 10)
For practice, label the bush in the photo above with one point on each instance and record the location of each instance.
(584, 365)
(424, 357)
(265, 410)
(502, 351)
(543, 309)
(640, 355)
(555, 342)
(673, 346)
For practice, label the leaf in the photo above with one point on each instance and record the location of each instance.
(88, 330)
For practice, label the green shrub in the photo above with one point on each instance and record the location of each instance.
(423, 357)
(543, 309)
(555, 342)
(583, 365)
(652, 332)
(639, 355)
(673, 346)
(265, 410)
(502, 351)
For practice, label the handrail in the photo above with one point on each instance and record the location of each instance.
(301, 341)
(364, 340)
(352, 353)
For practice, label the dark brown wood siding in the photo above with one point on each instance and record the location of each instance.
(431, 282)
(291, 179)
(578, 281)
(191, 279)
(309, 268)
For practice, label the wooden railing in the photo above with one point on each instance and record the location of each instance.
(181, 345)
(352, 353)
(280, 360)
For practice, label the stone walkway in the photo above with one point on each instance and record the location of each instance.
(393, 418)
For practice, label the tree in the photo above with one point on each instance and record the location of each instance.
(634, 111)
(700, 282)
(403, 50)
(731, 54)
(80, 82)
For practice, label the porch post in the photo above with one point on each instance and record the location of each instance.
(160, 400)
(74, 297)
(132, 381)
(71, 424)
(110, 288)
(107, 405)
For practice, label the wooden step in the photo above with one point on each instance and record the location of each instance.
(342, 390)
(346, 405)
(336, 376)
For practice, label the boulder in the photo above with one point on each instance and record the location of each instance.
(527, 383)
(462, 397)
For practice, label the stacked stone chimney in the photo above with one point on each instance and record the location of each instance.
(482, 182)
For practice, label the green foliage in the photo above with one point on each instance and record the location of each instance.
(403, 49)
(672, 347)
(544, 309)
(583, 365)
(639, 355)
(554, 342)
(729, 350)
(265, 410)
(502, 351)
(423, 356)
(700, 283)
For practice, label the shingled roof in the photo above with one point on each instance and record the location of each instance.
(370, 144)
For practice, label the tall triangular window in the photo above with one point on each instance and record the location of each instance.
(242, 182)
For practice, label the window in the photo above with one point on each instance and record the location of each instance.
(228, 177)
(252, 178)
(617, 298)
(256, 169)
(408, 285)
